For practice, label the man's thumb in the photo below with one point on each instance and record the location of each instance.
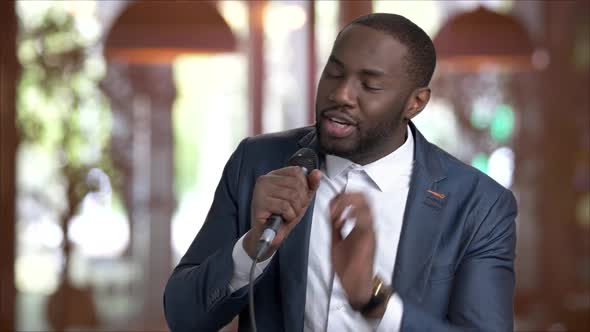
(313, 180)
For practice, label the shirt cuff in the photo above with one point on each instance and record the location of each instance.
(242, 264)
(392, 318)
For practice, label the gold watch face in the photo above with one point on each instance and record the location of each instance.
(380, 289)
(377, 284)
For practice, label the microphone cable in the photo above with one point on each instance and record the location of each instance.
(261, 249)
(251, 296)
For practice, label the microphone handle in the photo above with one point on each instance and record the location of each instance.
(273, 223)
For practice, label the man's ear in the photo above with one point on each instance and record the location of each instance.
(416, 102)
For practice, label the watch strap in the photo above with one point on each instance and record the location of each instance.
(380, 294)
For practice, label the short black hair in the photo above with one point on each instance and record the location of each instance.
(421, 57)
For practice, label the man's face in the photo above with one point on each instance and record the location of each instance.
(361, 96)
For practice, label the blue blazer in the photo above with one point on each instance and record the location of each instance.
(454, 269)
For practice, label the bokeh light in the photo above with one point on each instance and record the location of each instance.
(502, 126)
(285, 17)
(235, 14)
(38, 272)
(501, 166)
(480, 161)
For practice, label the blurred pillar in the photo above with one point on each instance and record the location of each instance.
(311, 62)
(560, 268)
(141, 47)
(351, 9)
(9, 72)
(256, 59)
(142, 97)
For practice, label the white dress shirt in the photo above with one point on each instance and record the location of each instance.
(385, 183)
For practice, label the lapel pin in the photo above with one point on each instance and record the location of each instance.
(435, 200)
(439, 195)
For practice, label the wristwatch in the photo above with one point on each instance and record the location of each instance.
(380, 294)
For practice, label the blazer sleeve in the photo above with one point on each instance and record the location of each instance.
(197, 296)
(483, 290)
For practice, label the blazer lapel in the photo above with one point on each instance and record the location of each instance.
(421, 229)
(293, 255)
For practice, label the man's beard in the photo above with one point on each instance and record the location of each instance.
(368, 142)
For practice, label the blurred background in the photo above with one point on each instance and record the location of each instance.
(117, 118)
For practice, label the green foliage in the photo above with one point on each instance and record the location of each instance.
(60, 106)
(502, 126)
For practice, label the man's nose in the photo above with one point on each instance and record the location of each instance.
(343, 94)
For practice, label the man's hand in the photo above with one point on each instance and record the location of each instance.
(286, 192)
(353, 256)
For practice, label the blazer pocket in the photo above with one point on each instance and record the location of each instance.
(440, 273)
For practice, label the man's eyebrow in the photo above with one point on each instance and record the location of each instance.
(374, 72)
(335, 60)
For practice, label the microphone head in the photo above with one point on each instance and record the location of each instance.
(305, 158)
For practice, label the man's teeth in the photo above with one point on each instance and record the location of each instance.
(341, 124)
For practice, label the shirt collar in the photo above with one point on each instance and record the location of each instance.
(382, 171)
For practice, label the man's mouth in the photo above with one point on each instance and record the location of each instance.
(337, 127)
(339, 116)
(339, 121)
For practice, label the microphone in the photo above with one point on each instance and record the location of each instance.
(305, 158)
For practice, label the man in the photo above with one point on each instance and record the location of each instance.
(391, 233)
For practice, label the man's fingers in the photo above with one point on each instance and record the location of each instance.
(296, 198)
(280, 207)
(342, 201)
(285, 181)
(290, 183)
(350, 206)
(293, 177)
(288, 170)
(363, 217)
(311, 182)
(293, 172)
(336, 236)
